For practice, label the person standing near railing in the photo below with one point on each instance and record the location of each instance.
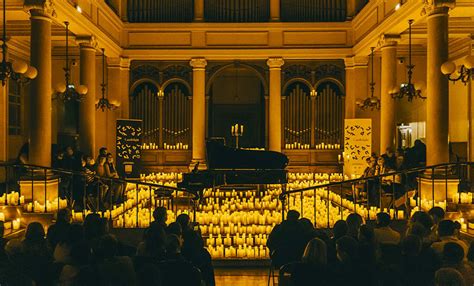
(116, 188)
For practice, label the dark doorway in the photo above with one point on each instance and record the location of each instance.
(236, 97)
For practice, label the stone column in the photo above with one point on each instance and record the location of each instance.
(3, 124)
(40, 88)
(388, 82)
(437, 108)
(87, 109)
(198, 10)
(274, 104)
(356, 84)
(313, 118)
(199, 112)
(274, 10)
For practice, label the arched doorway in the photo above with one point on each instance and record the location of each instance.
(236, 96)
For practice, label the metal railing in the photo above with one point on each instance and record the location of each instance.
(33, 188)
(345, 196)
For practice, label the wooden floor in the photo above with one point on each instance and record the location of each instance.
(241, 277)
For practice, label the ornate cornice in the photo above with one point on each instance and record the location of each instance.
(388, 40)
(120, 62)
(275, 63)
(432, 7)
(356, 62)
(198, 63)
(40, 8)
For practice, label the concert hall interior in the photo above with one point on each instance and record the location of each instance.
(237, 142)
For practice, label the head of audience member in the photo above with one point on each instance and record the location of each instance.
(383, 219)
(389, 152)
(110, 158)
(93, 226)
(340, 229)
(307, 225)
(399, 160)
(103, 151)
(411, 245)
(60, 155)
(292, 216)
(90, 161)
(373, 160)
(423, 218)
(155, 241)
(69, 151)
(173, 244)
(346, 249)
(381, 161)
(446, 227)
(437, 214)
(106, 247)
(453, 254)
(419, 230)
(174, 228)
(470, 252)
(160, 215)
(184, 220)
(34, 232)
(354, 221)
(368, 161)
(63, 216)
(366, 234)
(449, 277)
(315, 252)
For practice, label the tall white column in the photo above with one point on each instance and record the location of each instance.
(40, 88)
(388, 82)
(87, 108)
(437, 109)
(274, 105)
(199, 112)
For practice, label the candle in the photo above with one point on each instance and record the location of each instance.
(241, 129)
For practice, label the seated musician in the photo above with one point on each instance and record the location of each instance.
(395, 184)
(94, 186)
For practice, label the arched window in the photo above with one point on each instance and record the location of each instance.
(329, 113)
(144, 105)
(297, 115)
(176, 116)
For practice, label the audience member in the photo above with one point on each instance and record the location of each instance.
(389, 158)
(200, 257)
(287, 240)
(453, 256)
(384, 234)
(446, 233)
(160, 216)
(314, 264)
(36, 254)
(354, 221)
(449, 277)
(57, 231)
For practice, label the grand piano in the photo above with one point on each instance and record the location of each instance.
(231, 166)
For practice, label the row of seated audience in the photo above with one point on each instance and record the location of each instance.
(87, 254)
(430, 252)
(391, 162)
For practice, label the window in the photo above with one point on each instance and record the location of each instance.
(14, 108)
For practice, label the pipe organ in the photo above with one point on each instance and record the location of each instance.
(237, 10)
(297, 116)
(329, 114)
(176, 116)
(155, 11)
(144, 105)
(313, 10)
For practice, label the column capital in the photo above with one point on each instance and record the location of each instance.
(120, 62)
(433, 7)
(87, 42)
(388, 40)
(40, 8)
(275, 63)
(198, 63)
(356, 62)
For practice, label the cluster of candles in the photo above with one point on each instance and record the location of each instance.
(50, 206)
(166, 146)
(169, 179)
(296, 145)
(463, 198)
(237, 130)
(12, 199)
(241, 251)
(426, 204)
(13, 224)
(325, 146)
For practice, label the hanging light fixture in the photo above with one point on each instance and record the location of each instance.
(18, 70)
(67, 91)
(104, 104)
(372, 101)
(408, 89)
(465, 72)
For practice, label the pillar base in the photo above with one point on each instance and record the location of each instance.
(202, 165)
(39, 189)
(443, 189)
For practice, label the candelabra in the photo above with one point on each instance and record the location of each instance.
(465, 72)
(68, 91)
(237, 131)
(371, 102)
(18, 70)
(104, 103)
(408, 89)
